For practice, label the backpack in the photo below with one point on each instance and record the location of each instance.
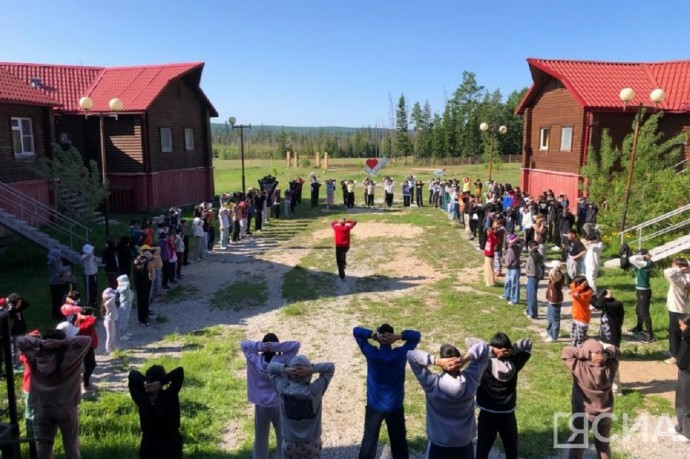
(625, 254)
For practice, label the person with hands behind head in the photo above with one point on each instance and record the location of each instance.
(260, 390)
(643, 265)
(385, 387)
(54, 391)
(450, 421)
(593, 368)
(497, 394)
(682, 402)
(159, 411)
(342, 230)
(301, 404)
(678, 278)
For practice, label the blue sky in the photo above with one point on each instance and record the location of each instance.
(335, 62)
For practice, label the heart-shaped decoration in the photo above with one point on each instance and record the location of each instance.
(372, 163)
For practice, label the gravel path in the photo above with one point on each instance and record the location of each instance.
(325, 337)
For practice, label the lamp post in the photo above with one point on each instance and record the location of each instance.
(115, 105)
(484, 127)
(232, 120)
(626, 95)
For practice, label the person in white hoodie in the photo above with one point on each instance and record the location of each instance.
(125, 297)
(110, 314)
(450, 422)
(678, 277)
(300, 404)
(594, 248)
(198, 232)
(90, 263)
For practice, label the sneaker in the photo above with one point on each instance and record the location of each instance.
(635, 330)
(673, 430)
(646, 339)
(510, 303)
(670, 361)
(501, 297)
(679, 438)
(548, 339)
(544, 333)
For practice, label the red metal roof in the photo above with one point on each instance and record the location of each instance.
(597, 85)
(137, 87)
(15, 90)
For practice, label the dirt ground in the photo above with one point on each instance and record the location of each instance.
(328, 336)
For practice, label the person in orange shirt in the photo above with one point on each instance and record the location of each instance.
(581, 293)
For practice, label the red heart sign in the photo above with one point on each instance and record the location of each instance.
(371, 163)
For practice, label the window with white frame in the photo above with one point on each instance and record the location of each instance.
(544, 139)
(22, 137)
(566, 138)
(189, 139)
(166, 140)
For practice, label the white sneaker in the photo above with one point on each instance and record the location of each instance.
(543, 333)
(672, 431)
(548, 339)
(670, 361)
(679, 438)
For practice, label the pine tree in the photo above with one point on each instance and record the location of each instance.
(402, 128)
(656, 187)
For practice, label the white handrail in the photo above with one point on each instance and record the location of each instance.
(25, 206)
(653, 221)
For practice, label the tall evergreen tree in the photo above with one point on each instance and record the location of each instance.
(402, 128)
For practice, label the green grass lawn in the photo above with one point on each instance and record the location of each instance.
(214, 399)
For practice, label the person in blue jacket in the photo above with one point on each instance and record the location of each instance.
(385, 387)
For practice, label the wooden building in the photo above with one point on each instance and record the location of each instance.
(570, 103)
(158, 148)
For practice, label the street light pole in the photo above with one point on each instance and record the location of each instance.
(232, 120)
(484, 127)
(626, 95)
(115, 104)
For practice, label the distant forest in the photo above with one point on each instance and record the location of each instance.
(413, 130)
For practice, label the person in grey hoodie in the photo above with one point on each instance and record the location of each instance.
(300, 404)
(55, 391)
(450, 421)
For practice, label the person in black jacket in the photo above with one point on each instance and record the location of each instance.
(497, 395)
(611, 328)
(159, 411)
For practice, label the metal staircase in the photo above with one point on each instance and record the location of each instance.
(657, 228)
(24, 215)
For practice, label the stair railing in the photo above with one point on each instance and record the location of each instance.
(36, 213)
(667, 229)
